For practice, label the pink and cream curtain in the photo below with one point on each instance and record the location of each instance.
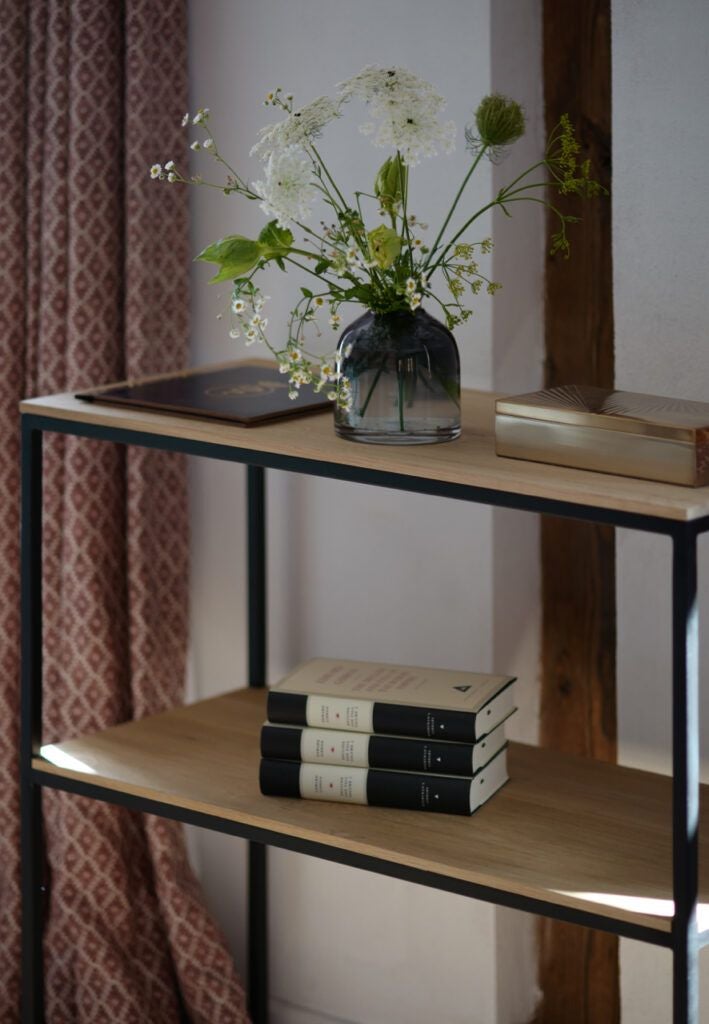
(94, 287)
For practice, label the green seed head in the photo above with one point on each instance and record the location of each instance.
(499, 121)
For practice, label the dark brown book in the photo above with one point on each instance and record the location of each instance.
(247, 392)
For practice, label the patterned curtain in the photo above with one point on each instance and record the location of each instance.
(94, 263)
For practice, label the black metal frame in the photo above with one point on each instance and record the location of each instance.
(683, 938)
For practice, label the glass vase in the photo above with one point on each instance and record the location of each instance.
(403, 370)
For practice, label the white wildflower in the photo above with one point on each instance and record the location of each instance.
(233, 333)
(410, 285)
(287, 190)
(195, 147)
(404, 110)
(318, 301)
(293, 394)
(238, 306)
(209, 145)
(185, 120)
(155, 171)
(251, 335)
(172, 176)
(201, 116)
(298, 128)
(170, 165)
(415, 300)
(335, 320)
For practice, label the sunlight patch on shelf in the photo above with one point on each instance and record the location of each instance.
(639, 905)
(55, 755)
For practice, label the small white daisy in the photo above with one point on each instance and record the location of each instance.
(155, 171)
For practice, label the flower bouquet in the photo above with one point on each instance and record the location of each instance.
(395, 375)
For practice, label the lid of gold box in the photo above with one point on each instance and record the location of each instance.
(652, 415)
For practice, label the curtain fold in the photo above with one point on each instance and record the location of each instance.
(94, 263)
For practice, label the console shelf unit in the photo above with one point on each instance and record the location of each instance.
(597, 844)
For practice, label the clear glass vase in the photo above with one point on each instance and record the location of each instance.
(404, 373)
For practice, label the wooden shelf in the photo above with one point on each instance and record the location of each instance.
(469, 461)
(569, 831)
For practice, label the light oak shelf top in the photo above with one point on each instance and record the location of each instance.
(570, 831)
(469, 461)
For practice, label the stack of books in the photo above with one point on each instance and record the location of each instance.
(387, 735)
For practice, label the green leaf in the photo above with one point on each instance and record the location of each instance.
(275, 240)
(236, 255)
(321, 266)
(307, 294)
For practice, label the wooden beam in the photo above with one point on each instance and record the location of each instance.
(578, 968)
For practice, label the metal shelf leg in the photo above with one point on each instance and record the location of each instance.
(258, 905)
(32, 849)
(685, 793)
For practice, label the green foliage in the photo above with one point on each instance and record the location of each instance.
(235, 254)
(275, 241)
(390, 267)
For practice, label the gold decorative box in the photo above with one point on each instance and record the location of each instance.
(619, 432)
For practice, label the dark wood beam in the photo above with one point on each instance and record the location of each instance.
(578, 968)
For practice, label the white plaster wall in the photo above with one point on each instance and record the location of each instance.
(356, 571)
(661, 280)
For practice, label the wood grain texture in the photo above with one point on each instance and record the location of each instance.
(471, 460)
(578, 968)
(564, 829)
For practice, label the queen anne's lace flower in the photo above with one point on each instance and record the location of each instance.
(287, 190)
(298, 128)
(404, 110)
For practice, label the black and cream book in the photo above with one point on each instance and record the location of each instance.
(363, 750)
(246, 392)
(399, 700)
(416, 791)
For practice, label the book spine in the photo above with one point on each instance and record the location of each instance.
(360, 750)
(407, 790)
(354, 715)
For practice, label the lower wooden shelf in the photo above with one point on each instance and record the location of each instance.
(567, 831)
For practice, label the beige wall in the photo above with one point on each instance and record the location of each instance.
(357, 571)
(661, 280)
